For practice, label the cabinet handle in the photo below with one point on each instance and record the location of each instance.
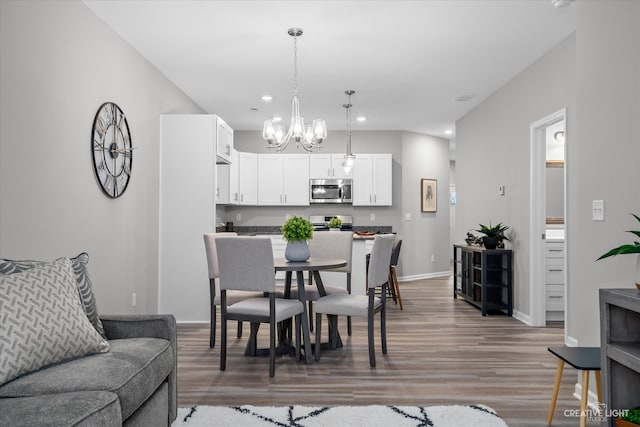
(285, 198)
(333, 172)
(329, 172)
(235, 196)
(217, 191)
(555, 250)
(375, 198)
(555, 296)
(242, 197)
(228, 149)
(555, 269)
(370, 198)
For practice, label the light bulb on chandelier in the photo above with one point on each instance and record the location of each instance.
(308, 137)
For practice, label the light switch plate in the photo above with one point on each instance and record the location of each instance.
(501, 190)
(597, 210)
(407, 216)
(372, 217)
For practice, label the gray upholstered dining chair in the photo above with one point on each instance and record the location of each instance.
(335, 305)
(214, 286)
(393, 277)
(246, 264)
(329, 244)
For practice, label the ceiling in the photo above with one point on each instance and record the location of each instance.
(408, 61)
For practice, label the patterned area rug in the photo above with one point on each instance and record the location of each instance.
(339, 416)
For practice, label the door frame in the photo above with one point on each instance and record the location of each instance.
(537, 225)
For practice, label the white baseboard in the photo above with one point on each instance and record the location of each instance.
(571, 342)
(424, 276)
(192, 322)
(524, 318)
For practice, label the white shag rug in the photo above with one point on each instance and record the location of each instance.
(339, 416)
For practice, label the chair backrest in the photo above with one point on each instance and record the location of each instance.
(246, 263)
(395, 252)
(212, 254)
(379, 261)
(333, 244)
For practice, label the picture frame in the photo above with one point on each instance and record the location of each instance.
(428, 195)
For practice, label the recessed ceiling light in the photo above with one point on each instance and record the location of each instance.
(267, 98)
(448, 132)
(466, 97)
(361, 119)
(277, 119)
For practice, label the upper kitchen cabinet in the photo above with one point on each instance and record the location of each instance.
(222, 184)
(283, 179)
(325, 165)
(372, 180)
(243, 178)
(224, 140)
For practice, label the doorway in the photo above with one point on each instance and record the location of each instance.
(548, 228)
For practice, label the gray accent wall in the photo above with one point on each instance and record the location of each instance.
(58, 64)
(492, 149)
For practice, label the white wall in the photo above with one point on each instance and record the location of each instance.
(492, 149)
(605, 158)
(58, 64)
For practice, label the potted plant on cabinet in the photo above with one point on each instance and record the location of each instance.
(630, 419)
(628, 249)
(296, 231)
(334, 224)
(493, 235)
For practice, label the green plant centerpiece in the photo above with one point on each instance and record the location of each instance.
(628, 249)
(296, 231)
(493, 235)
(334, 223)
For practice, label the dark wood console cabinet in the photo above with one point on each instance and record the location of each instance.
(484, 277)
(619, 350)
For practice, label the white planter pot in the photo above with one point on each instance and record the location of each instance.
(297, 250)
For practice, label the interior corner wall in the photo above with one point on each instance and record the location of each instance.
(426, 234)
(58, 64)
(492, 149)
(605, 158)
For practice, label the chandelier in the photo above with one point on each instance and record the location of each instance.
(308, 137)
(349, 158)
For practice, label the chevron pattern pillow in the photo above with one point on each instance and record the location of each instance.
(42, 320)
(83, 281)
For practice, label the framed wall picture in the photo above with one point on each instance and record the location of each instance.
(429, 195)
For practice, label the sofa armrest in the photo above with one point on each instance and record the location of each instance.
(148, 326)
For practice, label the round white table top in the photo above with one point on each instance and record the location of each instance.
(282, 264)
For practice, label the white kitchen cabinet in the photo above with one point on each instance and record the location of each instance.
(327, 166)
(224, 140)
(222, 184)
(554, 279)
(247, 179)
(372, 180)
(283, 180)
(187, 210)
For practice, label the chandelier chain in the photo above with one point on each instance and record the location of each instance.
(295, 65)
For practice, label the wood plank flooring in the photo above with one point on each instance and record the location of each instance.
(440, 351)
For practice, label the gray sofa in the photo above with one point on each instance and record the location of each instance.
(133, 384)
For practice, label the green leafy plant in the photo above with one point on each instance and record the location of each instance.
(632, 415)
(625, 249)
(297, 228)
(334, 222)
(494, 231)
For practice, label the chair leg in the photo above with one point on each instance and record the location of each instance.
(298, 334)
(598, 388)
(318, 335)
(333, 331)
(383, 328)
(556, 388)
(272, 347)
(310, 316)
(372, 353)
(223, 346)
(349, 325)
(212, 327)
(396, 285)
(391, 289)
(308, 357)
(239, 333)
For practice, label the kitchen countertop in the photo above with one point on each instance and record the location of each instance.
(266, 229)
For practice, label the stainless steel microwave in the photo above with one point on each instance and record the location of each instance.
(330, 191)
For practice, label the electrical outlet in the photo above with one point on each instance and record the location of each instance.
(597, 210)
(238, 217)
(372, 217)
(433, 258)
(501, 190)
(133, 300)
(407, 216)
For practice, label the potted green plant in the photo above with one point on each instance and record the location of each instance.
(493, 235)
(628, 249)
(296, 231)
(334, 223)
(631, 418)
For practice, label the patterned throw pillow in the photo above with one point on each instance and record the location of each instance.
(81, 272)
(42, 321)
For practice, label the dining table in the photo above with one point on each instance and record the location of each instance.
(313, 265)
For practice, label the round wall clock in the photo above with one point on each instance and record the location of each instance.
(112, 150)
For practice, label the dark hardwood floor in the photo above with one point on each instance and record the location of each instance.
(440, 351)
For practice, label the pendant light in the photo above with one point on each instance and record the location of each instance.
(308, 137)
(349, 158)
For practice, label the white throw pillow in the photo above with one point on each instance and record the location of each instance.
(42, 320)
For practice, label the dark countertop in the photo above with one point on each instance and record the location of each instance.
(268, 229)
